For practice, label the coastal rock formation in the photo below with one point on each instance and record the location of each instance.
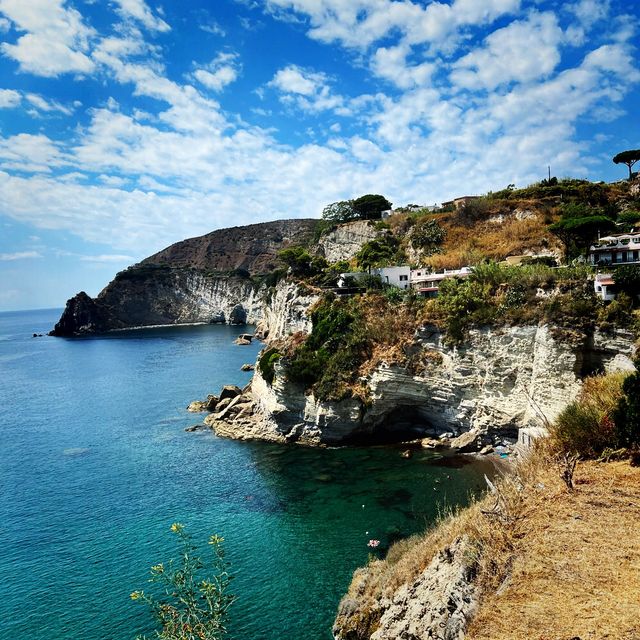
(156, 295)
(82, 315)
(161, 295)
(200, 280)
(438, 604)
(499, 381)
(285, 311)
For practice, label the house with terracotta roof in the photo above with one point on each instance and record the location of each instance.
(605, 287)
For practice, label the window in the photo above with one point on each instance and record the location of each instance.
(403, 278)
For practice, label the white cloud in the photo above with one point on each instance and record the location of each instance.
(108, 258)
(293, 79)
(112, 181)
(220, 72)
(391, 63)
(32, 153)
(5, 25)
(139, 10)
(19, 255)
(307, 90)
(47, 106)
(213, 28)
(589, 12)
(523, 51)
(56, 39)
(9, 99)
(360, 23)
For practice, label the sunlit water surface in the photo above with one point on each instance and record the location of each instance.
(95, 465)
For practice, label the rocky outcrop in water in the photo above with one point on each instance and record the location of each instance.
(211, 279)
(499, 381)
(150, 295)
(156, 295)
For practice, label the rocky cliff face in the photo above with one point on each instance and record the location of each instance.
(201, 279)
(437, 604)
(499, 381)
(345, 240)
(157, 295)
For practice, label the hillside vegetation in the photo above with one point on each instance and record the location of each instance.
(557, 219)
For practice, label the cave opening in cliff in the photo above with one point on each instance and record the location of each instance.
(403, 424)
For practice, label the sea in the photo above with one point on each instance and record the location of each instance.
(95, 466)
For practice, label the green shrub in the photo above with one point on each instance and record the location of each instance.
(329, 358)
(241, 273)
(266, 363)
(378, 252)
(193, 606)
(427, 235)
(476, 209)
(587, 426)
(618, 313)
(463, 303)
(576, 309)
(627, 414)
(629, 219)
(270, 279)
(299, 260)
(627, 278)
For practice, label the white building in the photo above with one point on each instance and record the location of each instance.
(605, 287)
(623, 248)
(427, 284)
(394, 276)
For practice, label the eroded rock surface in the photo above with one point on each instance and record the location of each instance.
(346, 240)
(499, 381)
(437, 604)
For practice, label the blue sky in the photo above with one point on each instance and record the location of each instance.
(126, 125)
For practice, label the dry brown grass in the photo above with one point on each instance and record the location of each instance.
(390, 328)
(555, 565)
(469, 243)
(576, 561)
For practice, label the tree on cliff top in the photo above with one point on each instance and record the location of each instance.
(377, 252)
(341, 211)
(301, 262)
(371, 206)
(579, 226)
(629, 158)
(368, 207)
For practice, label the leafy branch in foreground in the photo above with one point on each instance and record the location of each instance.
(192, 607)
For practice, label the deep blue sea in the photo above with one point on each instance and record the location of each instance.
(95, 465)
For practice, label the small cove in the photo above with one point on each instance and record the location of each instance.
(96, 465)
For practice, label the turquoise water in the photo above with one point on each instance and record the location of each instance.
(95, 465)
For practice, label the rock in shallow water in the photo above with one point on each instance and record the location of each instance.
(196, 427)
(229, 391)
